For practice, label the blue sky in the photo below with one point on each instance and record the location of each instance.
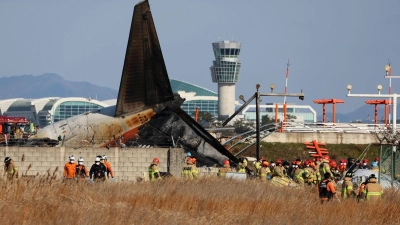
(329, 43)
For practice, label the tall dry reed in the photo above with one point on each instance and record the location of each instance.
(204, 201)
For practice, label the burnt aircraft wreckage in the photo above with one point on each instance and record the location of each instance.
(147, 112)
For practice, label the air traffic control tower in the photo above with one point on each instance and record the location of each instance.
(225, 71)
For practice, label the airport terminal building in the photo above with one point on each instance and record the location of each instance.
(196, 96)
(45, 111)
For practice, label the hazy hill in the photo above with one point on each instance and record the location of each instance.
(51, 85)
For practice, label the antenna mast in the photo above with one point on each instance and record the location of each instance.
(287, 76)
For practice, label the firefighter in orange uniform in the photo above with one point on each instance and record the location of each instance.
(70, 168)
(108, 167)
(326, 189)
(81, 172)
(361, 193)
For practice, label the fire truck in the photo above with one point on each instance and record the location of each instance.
(15, 131)
(13, 126)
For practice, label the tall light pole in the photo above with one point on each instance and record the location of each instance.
(394, 129)
(257, 96)
(388, 70)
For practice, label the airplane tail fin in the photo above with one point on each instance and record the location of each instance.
(144, 80)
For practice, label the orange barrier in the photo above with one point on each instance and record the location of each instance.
(319, 152)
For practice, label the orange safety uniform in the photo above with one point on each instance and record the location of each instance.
(69, 170)
(81, 172)
(326, 190)
(109, 169)
(361, 193)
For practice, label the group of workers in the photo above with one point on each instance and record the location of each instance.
(189, 171)
(100, 171)
(323, 172)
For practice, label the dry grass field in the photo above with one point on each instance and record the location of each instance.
(204, 201)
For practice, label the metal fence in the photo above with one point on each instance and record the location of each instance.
(389, 161)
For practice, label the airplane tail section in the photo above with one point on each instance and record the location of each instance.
(144, 80)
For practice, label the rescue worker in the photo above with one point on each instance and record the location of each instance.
(373, 190)
(334, 170)
(361, 193)
(374, 166)
(195, 171)
(257, 165)
(109, 170)
(10, 169)
(342, 167)
(351, 165)
(324, 166)
(272, 166)
(188, 155)
(315, 175)
(377, 161)
(242, 165)
(286, 165)
(224, 169)
(347, 186)
(154, 173)
(291, 169)
(310, 171)
(299, 173)
(81, 173)
(279, 170)
(98, 171)
(365, 165)
(103, 165)
(326, 189)
(70, 168)
(264, 171)
(317, 162)
(187, 171)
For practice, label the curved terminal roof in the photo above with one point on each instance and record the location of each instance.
(53, 103)
(6, 103)
(179, 86)
(20, 105)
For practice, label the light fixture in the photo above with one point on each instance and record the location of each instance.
(379, 87)
(241, 97)
(258, 86)
(349, 87)
(272, 86)
(387, 68)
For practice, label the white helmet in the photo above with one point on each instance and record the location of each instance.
(104, 157)
(71, 158)
(97, 159)
(80, 161)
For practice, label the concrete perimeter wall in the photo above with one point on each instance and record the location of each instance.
(331, 138)
(127, 163)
